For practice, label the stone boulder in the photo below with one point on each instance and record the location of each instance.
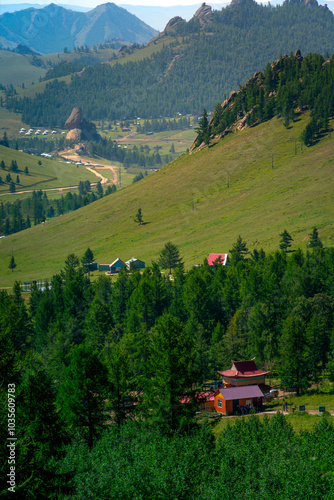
(79, 128)
(74, 135)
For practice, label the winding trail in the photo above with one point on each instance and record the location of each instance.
(104, 180)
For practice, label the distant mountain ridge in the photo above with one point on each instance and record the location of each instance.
(53, 28)
(188, 67)
(156, 16)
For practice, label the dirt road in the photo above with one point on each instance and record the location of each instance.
(104, 180)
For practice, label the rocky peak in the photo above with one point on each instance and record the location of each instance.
(204, 14)
(234, 3)
(311, 3)
(308, 3)
(173, 22)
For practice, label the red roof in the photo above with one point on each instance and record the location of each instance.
(200, 397)
(242, 392)
(243, 369)
(217, 258)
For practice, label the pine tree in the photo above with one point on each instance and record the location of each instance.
(294, 370)
(239, 250)
(119, 386)
(87, 260)
(168, 396)
(41, 433)
(82, 393)
(12, 263)
(315, 241)
(4, 141)
(286, 239)
(203, 129)
(139, 217)
(169, 257)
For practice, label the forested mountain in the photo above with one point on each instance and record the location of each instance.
(52, 28)
(193, 65)
(286, 88)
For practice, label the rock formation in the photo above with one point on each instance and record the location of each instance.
(308, 3)
(173, 22)
(80, 129)
(234, 3)
(204, 14)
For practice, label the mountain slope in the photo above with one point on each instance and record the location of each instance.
(190, 66)
(52, 28)
(274, 184)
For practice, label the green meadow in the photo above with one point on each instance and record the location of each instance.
(254, 183)
(16, 69)
(300, 421)
(50, 174)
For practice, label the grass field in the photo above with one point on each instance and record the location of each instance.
(10, 122)
(16, 69)
(255, 183)
(312, 400)
(49, 175)
(299, 421)
(181, 139)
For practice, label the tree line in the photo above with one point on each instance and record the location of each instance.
(142, 157)
(22, 214)
(163, 125)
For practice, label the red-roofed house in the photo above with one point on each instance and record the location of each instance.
(234, 399)
(218, 258)
(243, 373)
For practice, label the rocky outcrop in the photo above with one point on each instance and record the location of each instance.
(234, 3)
(241, 121)
(204, 14)
(80, 129)
(74, 135)
(173, 22)
(308, 3)
(74, 120)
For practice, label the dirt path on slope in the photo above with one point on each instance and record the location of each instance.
(104, 180)
(101, 166)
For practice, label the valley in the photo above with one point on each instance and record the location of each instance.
(253, 183)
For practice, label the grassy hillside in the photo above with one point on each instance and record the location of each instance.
(17, 69)
(50, 174)
(271, 188)
(10, 122)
